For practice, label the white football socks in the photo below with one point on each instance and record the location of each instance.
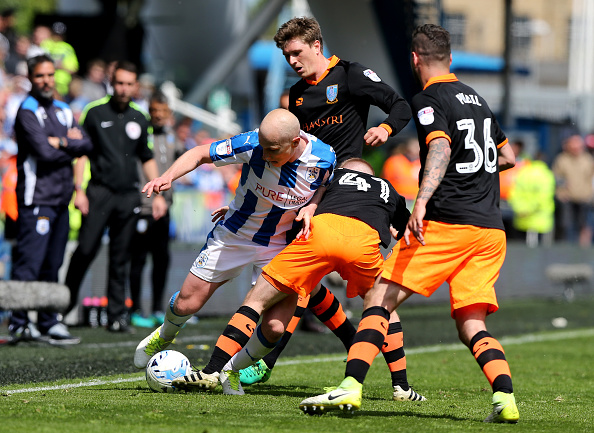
(173, 323)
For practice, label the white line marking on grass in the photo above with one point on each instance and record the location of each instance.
(505, 341)
(72, 385)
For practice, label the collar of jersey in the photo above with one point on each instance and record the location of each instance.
(448, 78)
(333, 61)
(307, 150)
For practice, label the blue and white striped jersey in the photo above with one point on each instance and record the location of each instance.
(268, 198)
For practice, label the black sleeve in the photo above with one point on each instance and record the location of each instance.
(364, 83)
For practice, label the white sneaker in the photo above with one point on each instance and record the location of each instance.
(60, 335)
(148, 347)
(230, 382)
(408, 395)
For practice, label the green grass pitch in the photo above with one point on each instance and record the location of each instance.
(93, 387)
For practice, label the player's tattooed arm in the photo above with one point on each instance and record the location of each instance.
(436, 165)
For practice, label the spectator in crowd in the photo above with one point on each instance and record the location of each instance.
(9, 174)
(92, 85)
(40, 34)
(152, 236)
(63, 54)
(18, 92)
(574, 173)
(48, 139)
(532, 199)
(401, 169)
(183, 131)
(507, 180)
(7, 19)
(16, 63)
(119, 131)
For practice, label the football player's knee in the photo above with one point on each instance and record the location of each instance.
(273, 330)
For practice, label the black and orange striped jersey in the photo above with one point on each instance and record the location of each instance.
(368, 198)
(336, 107)
(469, 191)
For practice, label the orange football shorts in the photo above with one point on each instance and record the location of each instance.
(336, 243)
(467, 257)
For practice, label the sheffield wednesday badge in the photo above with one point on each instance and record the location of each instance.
(332, 94)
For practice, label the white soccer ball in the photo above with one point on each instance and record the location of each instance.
(165, 366)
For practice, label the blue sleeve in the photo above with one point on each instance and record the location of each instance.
(234, 150)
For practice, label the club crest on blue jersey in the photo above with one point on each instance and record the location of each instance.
(43, 225)
(201, 259)
(332, 94)
(312, 174)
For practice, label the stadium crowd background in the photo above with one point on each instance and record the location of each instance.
(537, 200)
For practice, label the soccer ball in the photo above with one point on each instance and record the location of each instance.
(165, 366)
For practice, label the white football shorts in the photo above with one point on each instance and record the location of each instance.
(225, 254)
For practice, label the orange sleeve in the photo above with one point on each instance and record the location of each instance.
(437, 134)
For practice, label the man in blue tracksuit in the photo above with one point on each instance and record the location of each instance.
(48, 140)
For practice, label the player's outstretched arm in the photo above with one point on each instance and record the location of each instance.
(190, 160)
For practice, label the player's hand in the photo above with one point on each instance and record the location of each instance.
(219, 214)
(159, 207)
(376, 136)
(157, 185)
(415, 224)
(306, 214)
(81, 202)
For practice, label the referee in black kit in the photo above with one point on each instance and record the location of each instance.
(120, 132)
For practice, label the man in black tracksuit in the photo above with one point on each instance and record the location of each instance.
(119, 130)
(48, 140)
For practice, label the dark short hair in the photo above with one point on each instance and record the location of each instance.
(432, 42)
(305, 28)
(126, 66)
(159, 98)
(32, 62)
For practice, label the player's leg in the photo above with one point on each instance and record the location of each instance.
(261, 371)
(488, 352)
(393, 351)
(195, 292)
(473, 297)
(383, 298)
(327, 308)
(264, 339)
(237, 333)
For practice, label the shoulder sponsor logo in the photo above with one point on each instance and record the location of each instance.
(133, 130)
(426, 116)
(61, 117)
(43, 225)
(106, 124)
(332, 94)
(372, 75)
(225, 148)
